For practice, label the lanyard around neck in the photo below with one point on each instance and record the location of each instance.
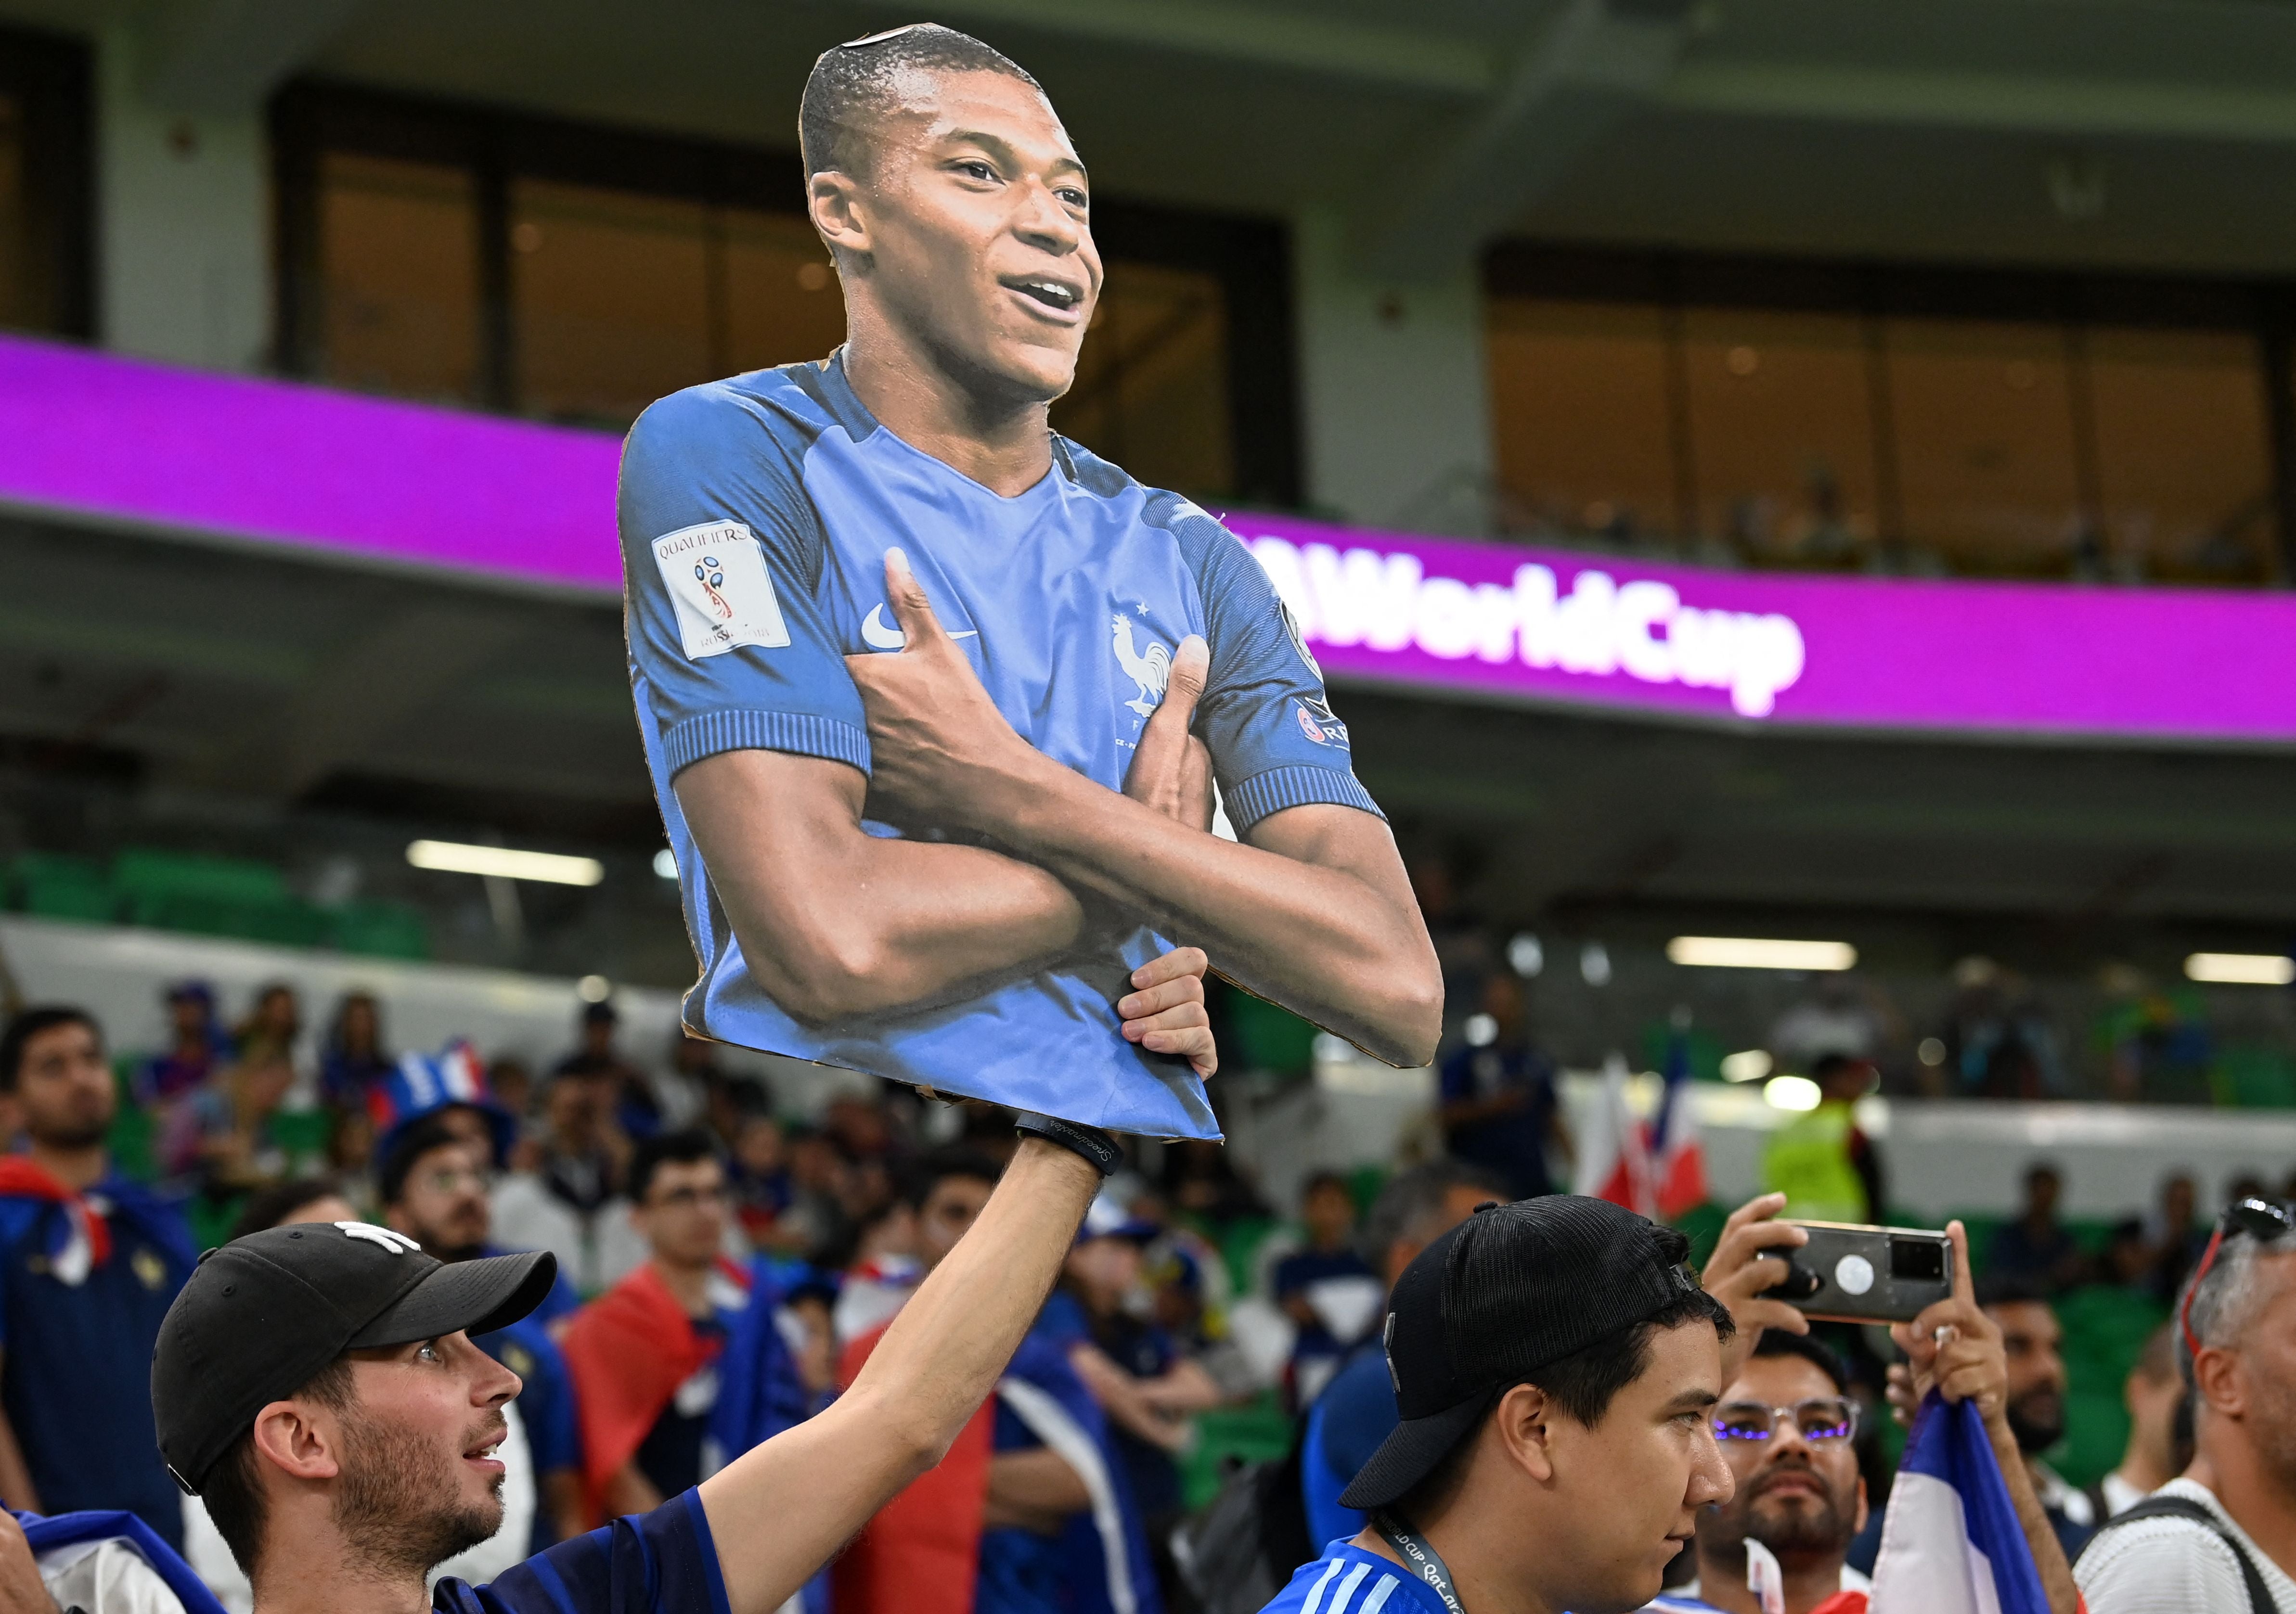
(1425, 1562)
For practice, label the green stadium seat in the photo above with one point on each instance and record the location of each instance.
(1239, 1247)
(144, 872)
(1266, 1038)
(381, 930)
(232, 897)
(51, 886)
(1256, 1432)
(2254, 1078)
(133, 1129)
(2104, 1330)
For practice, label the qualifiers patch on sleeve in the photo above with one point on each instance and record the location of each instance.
(716, 573)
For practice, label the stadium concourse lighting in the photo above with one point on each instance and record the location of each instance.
(665, 863)
(505, 863)
(2242, 968)
(1746, 1065)
(1760, 953)
(1792, 1092)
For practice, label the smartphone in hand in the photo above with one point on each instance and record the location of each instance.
(1850, 1273)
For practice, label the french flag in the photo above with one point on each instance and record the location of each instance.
(1950, 1543)
(1656, 1168)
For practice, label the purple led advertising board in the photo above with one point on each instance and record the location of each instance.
(95, 435)
(236, 456)
(1558, 625)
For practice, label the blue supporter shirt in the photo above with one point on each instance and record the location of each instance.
(1514, 1143)
(1348, 1580)
(755, 516)
(76, 1375)
(564, 1300)
(662, 1562)
(1349, 1422)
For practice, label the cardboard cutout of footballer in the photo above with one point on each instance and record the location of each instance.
(934, 701)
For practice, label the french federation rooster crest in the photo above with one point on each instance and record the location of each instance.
(1151, 670)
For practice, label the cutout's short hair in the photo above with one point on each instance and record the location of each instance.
(852, 84)
(232, 1489)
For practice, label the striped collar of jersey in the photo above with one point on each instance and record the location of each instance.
(1348, 1580)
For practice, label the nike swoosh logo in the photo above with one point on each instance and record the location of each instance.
(878, 634)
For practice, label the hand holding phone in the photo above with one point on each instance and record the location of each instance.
(1851, 1272)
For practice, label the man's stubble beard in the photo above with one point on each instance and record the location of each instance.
(2273, 1427)
(1799, 1533)
(69, 1136)
(2036, 1421)
(398, 1508)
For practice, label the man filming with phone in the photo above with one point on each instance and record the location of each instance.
(1787, 1427)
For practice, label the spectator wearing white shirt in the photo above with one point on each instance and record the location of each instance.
(2222, 1537)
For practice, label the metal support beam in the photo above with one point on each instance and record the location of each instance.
(1597, 62)
(1225, 30)
(217, 56)
(360, 697)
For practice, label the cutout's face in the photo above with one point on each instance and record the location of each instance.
(972, 231)
(1633, 1483)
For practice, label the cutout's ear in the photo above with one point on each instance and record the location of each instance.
(1862, 1507)
(840, 211)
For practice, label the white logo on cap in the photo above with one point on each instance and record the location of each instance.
(397, 1243)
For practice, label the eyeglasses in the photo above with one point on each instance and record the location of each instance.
(1822, 1420)
(2259, 1219)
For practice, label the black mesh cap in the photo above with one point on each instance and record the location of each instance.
(1509, 1290)
(263, 1315)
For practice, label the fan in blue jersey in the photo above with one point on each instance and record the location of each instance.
(934, 701)
(317, 1385)
(1555, 1368)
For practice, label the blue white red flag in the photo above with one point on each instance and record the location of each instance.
(1676, 1151)
(1951, 1543)
(1656, 1168)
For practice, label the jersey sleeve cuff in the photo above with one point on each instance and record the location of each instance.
(742, 729)
(1289, 787)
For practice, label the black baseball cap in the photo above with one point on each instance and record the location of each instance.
(262, 1315)
(1511, 1290)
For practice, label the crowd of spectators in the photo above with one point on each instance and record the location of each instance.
(725, 1267)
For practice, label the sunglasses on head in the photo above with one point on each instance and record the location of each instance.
(2260, 1219)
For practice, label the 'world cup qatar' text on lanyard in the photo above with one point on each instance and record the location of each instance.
(1424, 1561)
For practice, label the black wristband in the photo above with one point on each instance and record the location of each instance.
(1090, 1141)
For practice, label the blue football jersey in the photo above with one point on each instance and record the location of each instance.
(1348, 1580)
(755, 516)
